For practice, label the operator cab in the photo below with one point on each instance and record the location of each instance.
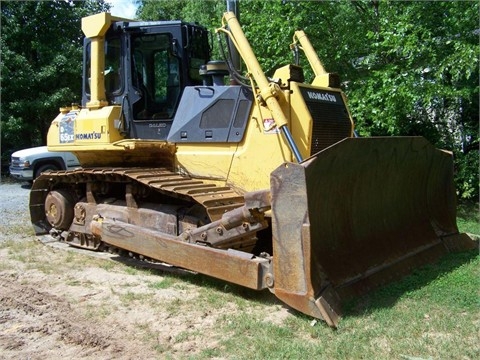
(147, 67)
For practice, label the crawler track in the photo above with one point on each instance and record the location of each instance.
(155, 185)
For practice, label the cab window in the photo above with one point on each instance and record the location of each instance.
(156, 76)
(112, 73)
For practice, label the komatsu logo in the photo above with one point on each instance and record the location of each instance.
(88, 136)
(321, 96)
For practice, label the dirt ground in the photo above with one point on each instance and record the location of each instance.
(58, 303)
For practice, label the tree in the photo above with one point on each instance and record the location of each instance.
(206, 13)
(408, 68)
(160, 9)
(41, 62)
(419, 76)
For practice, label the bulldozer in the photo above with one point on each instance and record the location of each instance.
(258, 181)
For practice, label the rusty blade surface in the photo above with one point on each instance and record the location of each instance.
(358, 214)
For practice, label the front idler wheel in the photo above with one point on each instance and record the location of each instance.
(59, 209)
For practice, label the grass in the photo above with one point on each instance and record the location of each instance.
(432, 314)
(130, 297)
(405, 320)
(165, 283)
(97, 311)
(468, 218)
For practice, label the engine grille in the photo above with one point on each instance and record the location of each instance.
(331, 122)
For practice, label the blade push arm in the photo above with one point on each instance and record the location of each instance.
(322, 77)
(309, 51)
(269, 92)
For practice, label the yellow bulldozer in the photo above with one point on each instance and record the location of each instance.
(257, 181)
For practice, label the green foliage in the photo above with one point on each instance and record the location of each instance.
(420, 70)
(41, 64)
(160, 9)
(466, 175)
(419, 76)
(468, 217)
(409, 68)
(207, 13)
(431, 314)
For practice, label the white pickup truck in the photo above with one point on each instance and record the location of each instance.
(27, 164)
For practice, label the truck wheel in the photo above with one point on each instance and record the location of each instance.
(43, 168)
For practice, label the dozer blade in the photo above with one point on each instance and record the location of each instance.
(358, 214)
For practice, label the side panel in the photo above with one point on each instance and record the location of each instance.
(222, 134)
(211, 114)
(87, 127)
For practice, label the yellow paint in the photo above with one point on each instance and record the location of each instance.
(310, 53)
(98, 142)
(245, 166)
(98, 126)
(100, 123)
(270, 92)
(206, 160)
(95, 28)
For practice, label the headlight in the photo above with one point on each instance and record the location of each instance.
(20, 163)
